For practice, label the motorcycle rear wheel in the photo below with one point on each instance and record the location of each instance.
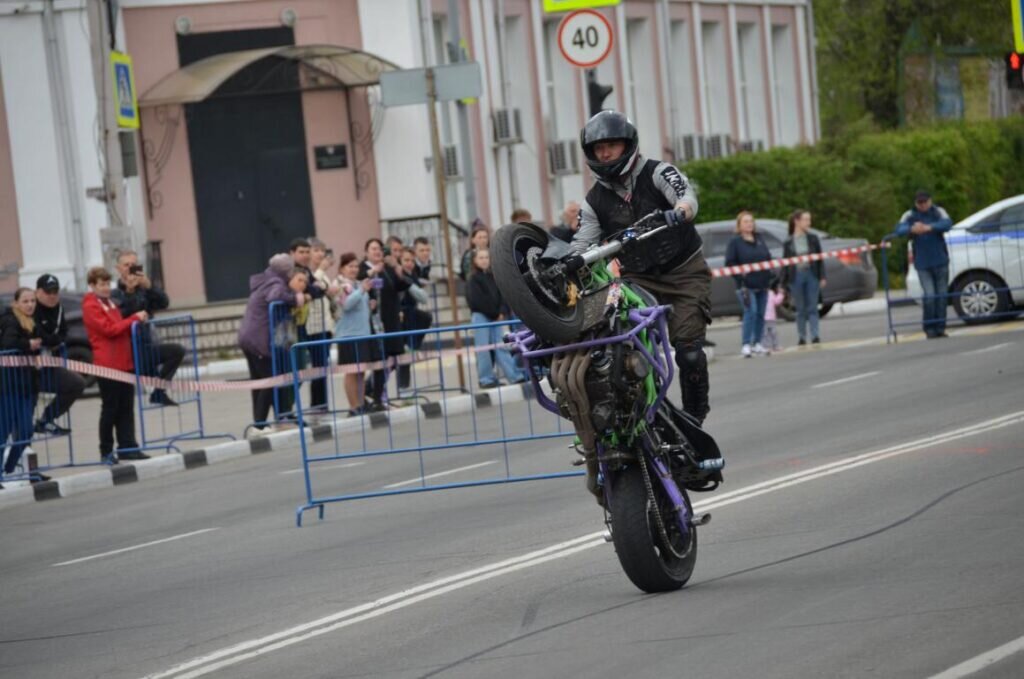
(648, 563)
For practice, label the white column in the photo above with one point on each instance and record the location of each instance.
(622, 34)
(702, 85)
(805, 76)
(738, 97)
(769, 65)
(38, 181)
(485, 51)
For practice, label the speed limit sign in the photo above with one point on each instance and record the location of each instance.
(585, 38)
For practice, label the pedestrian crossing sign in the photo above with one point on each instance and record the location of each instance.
(125, 99)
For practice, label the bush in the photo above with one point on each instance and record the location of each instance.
(860, 184)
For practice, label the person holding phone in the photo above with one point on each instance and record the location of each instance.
(135, 292)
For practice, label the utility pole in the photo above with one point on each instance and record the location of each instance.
(117, 235)
(442, 208)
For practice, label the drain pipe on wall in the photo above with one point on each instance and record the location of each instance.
(513, 182)
(68, 159)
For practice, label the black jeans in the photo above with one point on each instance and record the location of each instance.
(66, 387)
(262, 399)
(161, 360)
(117, 413)
(319, 357)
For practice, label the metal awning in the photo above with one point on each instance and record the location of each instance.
(320, 67)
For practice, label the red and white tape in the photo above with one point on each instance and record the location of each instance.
(789, 261)
(239, 385)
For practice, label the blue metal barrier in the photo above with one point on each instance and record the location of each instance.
(23, 403)
(985, 279)
(506, 416)
(166, 348)
(283, 334)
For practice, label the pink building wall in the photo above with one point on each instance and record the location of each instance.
(343, 220)
(10, 237)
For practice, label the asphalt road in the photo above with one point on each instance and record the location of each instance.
(902, 557)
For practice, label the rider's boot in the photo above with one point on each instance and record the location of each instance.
(693, 378)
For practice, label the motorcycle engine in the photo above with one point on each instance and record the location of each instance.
(614, 384)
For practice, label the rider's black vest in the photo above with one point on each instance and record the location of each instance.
(658, 254)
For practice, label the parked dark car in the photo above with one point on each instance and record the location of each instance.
(77, 343)
(850, 277)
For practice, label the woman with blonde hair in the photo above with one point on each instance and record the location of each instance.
(749, 247)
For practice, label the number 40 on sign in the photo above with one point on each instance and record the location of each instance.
(585, 38)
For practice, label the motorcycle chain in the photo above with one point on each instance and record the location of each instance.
(649, 488)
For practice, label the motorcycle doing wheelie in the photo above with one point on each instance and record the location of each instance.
(603, 345)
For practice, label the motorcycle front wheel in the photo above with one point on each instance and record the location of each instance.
(650, 564)
(515, 258)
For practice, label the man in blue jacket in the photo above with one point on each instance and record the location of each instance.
(926, 225)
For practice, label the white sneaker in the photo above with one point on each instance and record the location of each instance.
(745, 351)
(759, 349)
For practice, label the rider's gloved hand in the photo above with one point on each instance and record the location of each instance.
(573, 263)
(675, 217)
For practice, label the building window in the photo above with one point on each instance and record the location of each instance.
(785, 85)
(753, 108)
(684, 94)
(716, 78)
(641, 82)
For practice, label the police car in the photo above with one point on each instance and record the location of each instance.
(986, 263)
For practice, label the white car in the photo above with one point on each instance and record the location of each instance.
(986, 263)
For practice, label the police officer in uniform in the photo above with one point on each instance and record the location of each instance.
(670, 265)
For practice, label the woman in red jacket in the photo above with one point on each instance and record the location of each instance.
(110, 337)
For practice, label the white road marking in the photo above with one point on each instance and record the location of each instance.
(324, 467)
(132, 549)
(245, 650)
(986, 349)
(434, 476)
(983, 661)
(847, 379)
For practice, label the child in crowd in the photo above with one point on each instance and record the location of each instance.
(770, 338)
(487, 306)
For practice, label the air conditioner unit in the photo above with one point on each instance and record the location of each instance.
(751, 146)
(563, 158)
(718, 146)
(689, 147)
(508, 129)
(451, 162)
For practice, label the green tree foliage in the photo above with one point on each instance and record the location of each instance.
(859, 185)
(859, 45)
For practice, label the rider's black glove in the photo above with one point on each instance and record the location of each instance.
(573, 263)
(674, 217)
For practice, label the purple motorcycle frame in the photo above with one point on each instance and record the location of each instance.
(653, 319)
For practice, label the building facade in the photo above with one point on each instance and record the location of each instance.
(275, 152)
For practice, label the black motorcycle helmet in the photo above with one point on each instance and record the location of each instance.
(609, 126)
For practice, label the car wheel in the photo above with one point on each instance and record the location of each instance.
(980, 298)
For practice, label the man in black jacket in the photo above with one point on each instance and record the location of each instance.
(134, 293)
(52, 328)
(670, 265)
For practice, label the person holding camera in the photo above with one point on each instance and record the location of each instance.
(388, 284)
(135, 293)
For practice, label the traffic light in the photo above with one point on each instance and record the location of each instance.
(1014, 73)
(596, 94)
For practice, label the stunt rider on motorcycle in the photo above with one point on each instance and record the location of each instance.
(670, 265)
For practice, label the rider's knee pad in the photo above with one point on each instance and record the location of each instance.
(690, 358)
